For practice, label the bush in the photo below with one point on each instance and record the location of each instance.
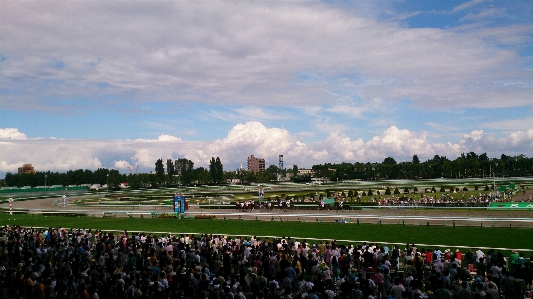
(387, 191)
(451, 189)
(465, 189)
(442, 189)
(364, 193)
(487, 188)
(406, 190)
(370, 192)
(476, 187)
(415, 190)
(205, 217)
(396, 191)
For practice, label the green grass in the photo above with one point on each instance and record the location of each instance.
(434, 235)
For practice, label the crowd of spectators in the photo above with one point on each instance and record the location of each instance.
(443, 200)
(63, 264)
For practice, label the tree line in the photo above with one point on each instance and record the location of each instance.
(182, 172)
(468, 165)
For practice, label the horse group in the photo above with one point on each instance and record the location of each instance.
(250, 206)
(283, 205)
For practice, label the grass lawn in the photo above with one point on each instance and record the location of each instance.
(434, 235)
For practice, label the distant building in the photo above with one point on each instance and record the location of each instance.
(26, 169)
(306, 172)
(256, 164)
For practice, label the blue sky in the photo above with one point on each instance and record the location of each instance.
(118, 84)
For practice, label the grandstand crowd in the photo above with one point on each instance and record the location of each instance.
(64, 264)
(444, 200)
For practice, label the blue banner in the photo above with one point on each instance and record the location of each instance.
(179, 204)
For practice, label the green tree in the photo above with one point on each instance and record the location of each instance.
(170, 171)
(10, 180)
(201, 176)
(115, 178)
(159, 172)
(185, 169)
(415, 159)
(216, 170)
(134, 181)
(389, 161)
(99, 176)
(350, 194)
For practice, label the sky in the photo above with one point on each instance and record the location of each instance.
(120, 84)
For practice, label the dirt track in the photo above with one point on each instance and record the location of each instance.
(310, 215)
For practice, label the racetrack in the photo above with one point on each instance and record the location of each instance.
(389, 215)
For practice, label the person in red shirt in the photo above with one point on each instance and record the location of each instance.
(458, 256)
(429, 256)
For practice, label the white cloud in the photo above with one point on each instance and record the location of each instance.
(251, 138)
(509, 124)
(122, 165)
(516, 143)
(272, 53)
(12, 134)
(466, 5)
(165, 137)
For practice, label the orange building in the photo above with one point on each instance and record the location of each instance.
(256, 164)
(26, 168)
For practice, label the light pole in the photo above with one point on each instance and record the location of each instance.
(108, 182)
(494, 177)
(45, 177)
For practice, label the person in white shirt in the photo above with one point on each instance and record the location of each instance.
(479, 254)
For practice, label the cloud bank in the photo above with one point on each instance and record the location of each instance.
(241, 141)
